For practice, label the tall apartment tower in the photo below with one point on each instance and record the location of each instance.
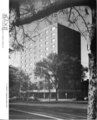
(54, 39)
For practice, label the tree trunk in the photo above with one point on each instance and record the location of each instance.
(44, 95)
(91, 110)
(49, 95)
(57, 95)
(49, 86)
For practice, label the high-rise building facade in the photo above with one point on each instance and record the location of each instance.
(54, 39)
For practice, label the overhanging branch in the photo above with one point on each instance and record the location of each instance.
(54, 7)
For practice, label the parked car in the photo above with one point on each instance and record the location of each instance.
(33, 99)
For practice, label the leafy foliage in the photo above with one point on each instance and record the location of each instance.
(60, 70)
(18, 80)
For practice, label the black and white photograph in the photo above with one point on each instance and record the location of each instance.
(51, 52)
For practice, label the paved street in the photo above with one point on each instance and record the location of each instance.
(52, 111)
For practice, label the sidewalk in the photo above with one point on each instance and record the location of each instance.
(54, 104)
(62, 101)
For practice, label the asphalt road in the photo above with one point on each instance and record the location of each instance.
(47, 111)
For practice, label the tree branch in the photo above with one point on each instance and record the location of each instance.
(82, 19)
(54, 7)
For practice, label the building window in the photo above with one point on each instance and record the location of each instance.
(53, 46)
(40, 40)
(46, 42)
(53, 34)
(30, 64)
(25, 62)
(47, 37)
(22, 57)
(25, 65)
(53, 40)
(53, 28)
(47, 31)
(47, 49)
(40, 45)
(21, 61)
(54, 51)
(30, 49)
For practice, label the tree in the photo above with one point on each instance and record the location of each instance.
(18, 81)
(63, 4)
(42, 72)
(92, 91)
(13, 83)
(60, 70)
